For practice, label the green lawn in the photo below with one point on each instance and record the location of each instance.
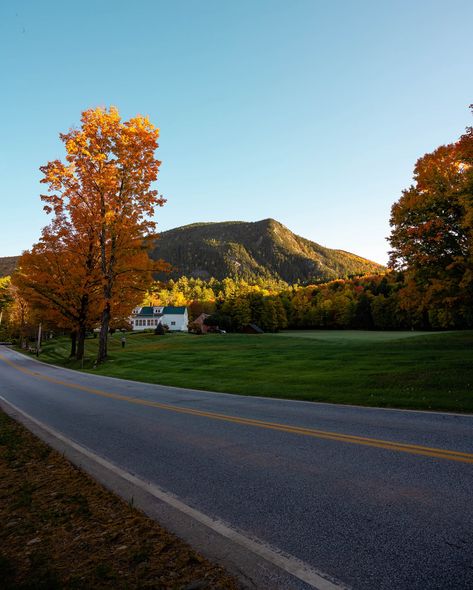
(432, 371)
(355, 335)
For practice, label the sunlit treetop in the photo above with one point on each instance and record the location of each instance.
(108, 172)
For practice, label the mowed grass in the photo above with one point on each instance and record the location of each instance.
(432, 372)
(355, 335)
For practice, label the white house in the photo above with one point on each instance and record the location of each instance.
(148, 317)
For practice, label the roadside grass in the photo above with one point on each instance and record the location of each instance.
(60, 529)
(430, 371)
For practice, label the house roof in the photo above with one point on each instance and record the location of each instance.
(148, 310)
(175, 310)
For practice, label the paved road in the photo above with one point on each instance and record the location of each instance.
(373, 499)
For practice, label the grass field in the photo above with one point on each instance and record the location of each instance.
(433, 371)
(355, 335)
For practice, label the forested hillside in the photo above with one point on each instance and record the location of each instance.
(263, 249)
(8, 265)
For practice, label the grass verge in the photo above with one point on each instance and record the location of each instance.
(60, 529)
(430, 372)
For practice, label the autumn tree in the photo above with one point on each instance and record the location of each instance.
(60, 277)
(105, 188)
(5, 294)
(6, 300)
(22, 320)
(238, 309)
(432, 235)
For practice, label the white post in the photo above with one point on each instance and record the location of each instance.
(38, 345)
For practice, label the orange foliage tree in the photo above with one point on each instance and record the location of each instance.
(104, 189)
(60, 278)
(432, 235)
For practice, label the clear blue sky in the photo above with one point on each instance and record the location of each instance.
(310, 112)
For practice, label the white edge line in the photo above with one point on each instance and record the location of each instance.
(283, 561)
(242, 395)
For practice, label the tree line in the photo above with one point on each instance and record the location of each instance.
(383, 301)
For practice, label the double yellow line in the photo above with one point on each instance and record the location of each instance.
(301, 431)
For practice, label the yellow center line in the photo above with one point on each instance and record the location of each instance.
(302, 431)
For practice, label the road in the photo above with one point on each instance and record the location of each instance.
(349, 497)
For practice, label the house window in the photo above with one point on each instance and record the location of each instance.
(173, 323)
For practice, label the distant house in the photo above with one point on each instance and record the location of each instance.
(199, 322)
(148, 317)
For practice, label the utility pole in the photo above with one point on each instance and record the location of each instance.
(38, 345)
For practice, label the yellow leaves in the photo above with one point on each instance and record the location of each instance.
(71, 146)
(109, 217)
(463, 166)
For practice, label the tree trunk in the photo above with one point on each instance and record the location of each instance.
(73, 344)
(107, 266)
(80, 343)
(103, 336)
(83, 314)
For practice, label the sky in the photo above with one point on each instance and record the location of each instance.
(310, 112)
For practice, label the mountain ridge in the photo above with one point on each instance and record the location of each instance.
(249, 250)
(259, 249)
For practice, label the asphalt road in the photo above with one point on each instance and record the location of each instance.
(373, 499)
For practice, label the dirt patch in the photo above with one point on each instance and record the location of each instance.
(61, 529)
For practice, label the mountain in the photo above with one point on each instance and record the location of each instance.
(8, 265)
(263, 249)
